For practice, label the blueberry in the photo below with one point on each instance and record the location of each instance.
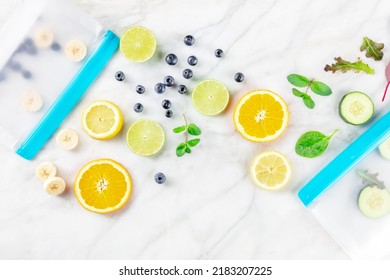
(182, 89)
(140, 89)
(192, 60)
(26, 74)
(55, 47)
(166, 104)
(218, 53)
(169, 81)
(189, 40)
(159, 88)
(168, 113)
(171, 59)
(14, 65)
(138, 107)
(120, 76)
(29, 47)
(239, 77)
(187, 73)
(160, 178)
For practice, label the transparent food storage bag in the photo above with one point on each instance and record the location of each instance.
(50, 53)
(350, 197)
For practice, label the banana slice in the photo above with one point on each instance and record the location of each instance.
(67, 139)
(32, 101)
(43, 38)
(54, 185)
(45, 171)
(75, 50)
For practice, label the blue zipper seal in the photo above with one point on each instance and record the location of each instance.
(69, 97)
(347, 159)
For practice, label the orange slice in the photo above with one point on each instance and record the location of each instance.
(103, 186)
(261, 116)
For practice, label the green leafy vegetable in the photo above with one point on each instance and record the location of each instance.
(298, 93)
(189, 129)
(344, 66)
(313, 144)
(320, 88)
(179, 129)
(298, 80)
(193, 142)
(308, 101)
(317, 87)
(194, 130)
(372, 49)
(370, 179)
(181, 149)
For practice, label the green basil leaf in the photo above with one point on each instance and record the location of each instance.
(298, 80)
(298, 93)
(194, 130)
(193, 142)
(181, 149)
(312, 144)
(308, 101)
(179, 129)
(320, 88)
(188, 149)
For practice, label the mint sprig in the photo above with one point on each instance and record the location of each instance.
(317, 87)
(188, 129)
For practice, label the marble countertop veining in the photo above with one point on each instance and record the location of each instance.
(209, 207)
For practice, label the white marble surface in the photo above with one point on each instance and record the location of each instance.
(209, 208)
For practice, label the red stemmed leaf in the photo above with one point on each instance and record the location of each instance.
(387, 73)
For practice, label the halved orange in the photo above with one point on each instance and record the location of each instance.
(261, 116)
(103, 186)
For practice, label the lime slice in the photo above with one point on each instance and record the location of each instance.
(210, 97)
(145, 137)
(138, 44)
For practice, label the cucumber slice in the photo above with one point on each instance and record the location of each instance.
(384, 149)
(356, 108)
(374, 202)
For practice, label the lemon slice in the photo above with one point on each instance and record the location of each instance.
(271, 170)
(103, 186)
(210, 97)
(145, 137)
(138, 44)
(102, 120)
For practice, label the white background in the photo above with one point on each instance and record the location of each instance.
(209, 207)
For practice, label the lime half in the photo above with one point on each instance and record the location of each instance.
(138, 44)
(210, 97)
(145, 137)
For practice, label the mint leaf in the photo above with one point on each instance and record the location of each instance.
(312, 144)
(298, 80)
(344, 66)
(179, 129)
(320, 88)
(372, 49)
(194, 130)
(193, 142)
(308, 101)
(298, 93)
(181, 149)
(187, 149)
